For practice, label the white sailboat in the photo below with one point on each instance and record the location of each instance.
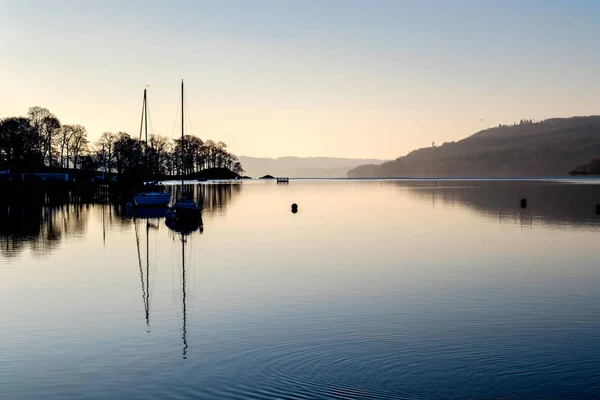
(185, 211)
(149, 197)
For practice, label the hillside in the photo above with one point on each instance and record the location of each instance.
(548, 148)
(299, 167)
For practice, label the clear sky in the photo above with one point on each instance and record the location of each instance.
(370, 78)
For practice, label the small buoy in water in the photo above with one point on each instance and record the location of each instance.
(523, 203)
(598, 209)
(294, 208)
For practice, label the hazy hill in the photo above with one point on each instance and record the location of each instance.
(301, 167)
(548, 148)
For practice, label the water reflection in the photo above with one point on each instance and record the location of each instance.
(42, 226)
(145, 275)
(369, 291)
(39, 229)
(547, 203)
(182, 235)
(151, 219)
(213, 196)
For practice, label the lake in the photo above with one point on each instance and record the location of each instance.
(414, 289)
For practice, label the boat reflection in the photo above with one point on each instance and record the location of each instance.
(145, 273)
(187, 226)
(183, 229)
(149, 212)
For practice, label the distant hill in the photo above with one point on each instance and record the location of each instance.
(302, 167)
(548, 148)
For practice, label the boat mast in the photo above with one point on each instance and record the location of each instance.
(182, 124)
(146, 129)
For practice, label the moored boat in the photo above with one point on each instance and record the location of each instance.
(185, 211)
(150, 197)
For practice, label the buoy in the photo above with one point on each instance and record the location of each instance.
(523, 203)
(294, 205)
(598, 209)
(294, 208)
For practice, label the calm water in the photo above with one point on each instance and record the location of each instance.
(373, 290)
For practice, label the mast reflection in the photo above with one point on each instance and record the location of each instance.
(145, 275)
(183, 230)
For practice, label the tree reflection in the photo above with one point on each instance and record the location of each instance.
(40, 229)
(43, 223)
(213, 196)
(548, 203)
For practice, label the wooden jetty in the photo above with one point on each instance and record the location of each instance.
(283, 180)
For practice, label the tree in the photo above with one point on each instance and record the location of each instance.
(63, 139)
(220, 154)
(192, 149)
(107, 143)
(210, 153)
(19, 144)
(39, 139)
(77, 144)
(128, 153)
(47, 126)
(237, 168)
(159, 150)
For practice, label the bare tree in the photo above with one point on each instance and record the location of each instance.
(39, 140)
(78, 143)
(63, 139)
(107, 142)
(47, 126)
(159, 151)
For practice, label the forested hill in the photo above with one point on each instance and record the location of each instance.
(548, 148)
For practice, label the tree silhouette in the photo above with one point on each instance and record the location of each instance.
(19, 144)
(46, 126)
(39, 140)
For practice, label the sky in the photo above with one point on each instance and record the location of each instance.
(340, 78)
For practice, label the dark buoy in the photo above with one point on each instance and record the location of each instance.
(523, 203)
(294, 208)
(598, 209)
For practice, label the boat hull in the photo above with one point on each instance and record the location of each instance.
(152, 199)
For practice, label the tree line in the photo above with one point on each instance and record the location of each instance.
(39, 141)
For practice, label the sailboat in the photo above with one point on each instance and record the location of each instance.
(185, 211)
(149, 197)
